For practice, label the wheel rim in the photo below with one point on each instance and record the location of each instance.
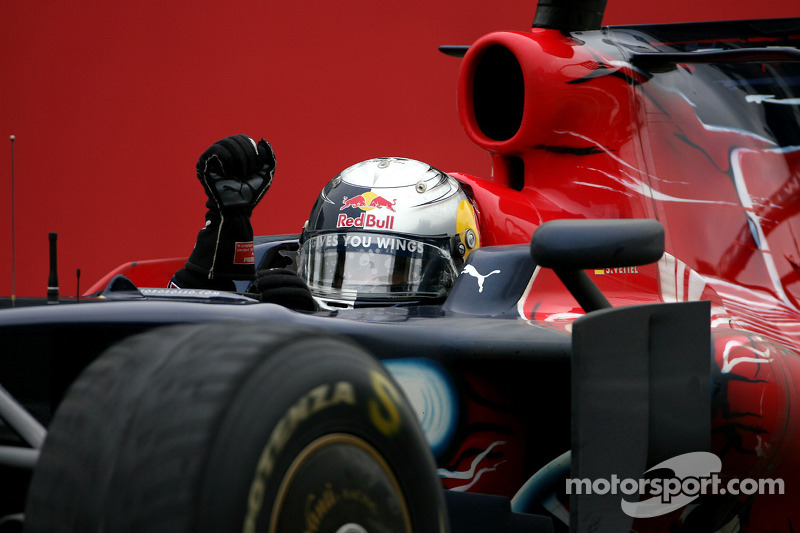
(339, 483)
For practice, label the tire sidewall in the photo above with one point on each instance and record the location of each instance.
(301, 392)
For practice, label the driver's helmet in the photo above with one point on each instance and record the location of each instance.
(387, 231)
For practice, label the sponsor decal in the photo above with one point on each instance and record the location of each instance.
(174, 290)
(316, 400)
(243, 254)
(318, 507)
(365, 220)
(368, 201)
(472, 271)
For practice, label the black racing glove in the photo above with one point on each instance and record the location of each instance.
(283, 286)
(235, 173)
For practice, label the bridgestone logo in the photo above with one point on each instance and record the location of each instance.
(695, 474)
(316, 400)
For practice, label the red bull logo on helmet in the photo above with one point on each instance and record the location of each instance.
(366, 202)
(365, 220)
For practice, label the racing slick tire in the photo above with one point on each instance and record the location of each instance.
(235, 427)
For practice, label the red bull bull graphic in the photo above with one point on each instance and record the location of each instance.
(367, 201)
(355, 201)
(380, 202)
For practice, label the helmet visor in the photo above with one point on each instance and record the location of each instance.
(374, 266)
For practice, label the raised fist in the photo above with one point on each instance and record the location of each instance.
(236, 172)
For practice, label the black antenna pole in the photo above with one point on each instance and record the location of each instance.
(52, 281)
(13, 234)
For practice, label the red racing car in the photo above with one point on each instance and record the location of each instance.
(622, 353)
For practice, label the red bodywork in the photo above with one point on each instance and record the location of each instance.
(151, 273)
(595, 137)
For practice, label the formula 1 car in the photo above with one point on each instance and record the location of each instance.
(621, 354)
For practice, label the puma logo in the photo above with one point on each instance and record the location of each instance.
(469, 269)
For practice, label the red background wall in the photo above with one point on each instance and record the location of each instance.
(111, 104)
